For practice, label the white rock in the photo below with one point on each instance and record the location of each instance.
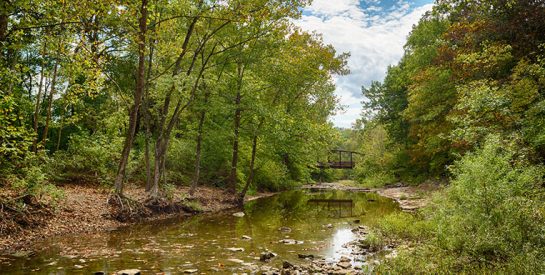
(235, 249)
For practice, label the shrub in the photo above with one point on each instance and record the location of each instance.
(32, 180)
(492, 210)
(374, 168)
(490, 219)
(404, 225)
(93, 158)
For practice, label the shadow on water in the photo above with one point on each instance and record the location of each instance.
(317, 223)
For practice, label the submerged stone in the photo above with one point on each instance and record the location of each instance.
(128, 272)
(235, 249)
(266, 256)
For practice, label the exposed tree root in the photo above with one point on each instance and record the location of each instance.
(163, 205)
(125, 209)
(21, 212)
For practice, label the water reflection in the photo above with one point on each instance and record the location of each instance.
(320, 223)
(336, 208)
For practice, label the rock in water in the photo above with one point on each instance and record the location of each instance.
(246, 237)
(284, 229)
(344, 259)
(266, 256)
(238, 261)
(344, 265)
(190, 271)
(128, 272)
(287, 264)
(235, 249)
(290, 241)
(239, 214)
(305, 256)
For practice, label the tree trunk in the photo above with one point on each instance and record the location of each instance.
(165, 133)
(196, 175)
(60, 134)
(147, 119)
(236, 129)
(140, 84)
(50, 103)
(37, 107)
(252, 172)
(3, 27)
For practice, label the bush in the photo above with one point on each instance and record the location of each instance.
(272, 176)
(93, 158)
(374, 168)
(404, 225)
(490, 219)
(32, 180)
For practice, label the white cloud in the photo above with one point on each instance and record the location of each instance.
(375, 41)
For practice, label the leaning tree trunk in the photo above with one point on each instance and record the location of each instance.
(140, 85)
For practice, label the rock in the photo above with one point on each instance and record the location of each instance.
(99, 273)
(290, 241)
(190, 271)
(23, 254)
(356, 221)
(344, 265)
(287, 264)
(235, 249)
(266, 256)
(238, 261)
(239, 214)
(128, 272)
(284, 229)
(246, 237)
(78, 266)
(305, 256)
(344, 259)
(328, 225)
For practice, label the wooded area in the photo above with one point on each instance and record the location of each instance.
(162, 92)
(232, 95)
(465, 106)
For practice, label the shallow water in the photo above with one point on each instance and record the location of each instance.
(320, 226)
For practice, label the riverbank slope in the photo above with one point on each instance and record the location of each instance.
(86, 209)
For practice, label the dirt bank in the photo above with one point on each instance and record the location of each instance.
(86, 209)
(410, 198)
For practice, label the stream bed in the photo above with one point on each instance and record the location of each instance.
(287, 224)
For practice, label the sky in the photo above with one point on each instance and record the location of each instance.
(373, 31)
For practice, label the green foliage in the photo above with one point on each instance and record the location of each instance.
(15, 139)
(33, 180)
(375, 167)
(88, 158)
(493, 207)
(404, 225)
(272, 176)
(490, 218)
